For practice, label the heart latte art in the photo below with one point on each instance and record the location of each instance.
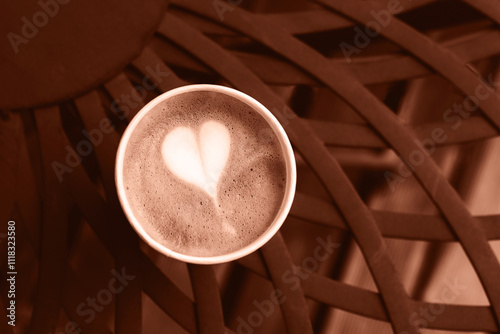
(202, 174)
(198, 161)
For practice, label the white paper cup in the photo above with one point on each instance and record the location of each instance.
(291, 176)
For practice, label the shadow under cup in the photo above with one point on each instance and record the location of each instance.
(286, 153)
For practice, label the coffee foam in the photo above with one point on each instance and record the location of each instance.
(184, 217)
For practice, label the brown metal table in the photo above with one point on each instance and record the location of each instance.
(393, 110)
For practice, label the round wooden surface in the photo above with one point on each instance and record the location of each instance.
(57, 49)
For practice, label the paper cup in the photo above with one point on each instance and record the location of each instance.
(291, 176)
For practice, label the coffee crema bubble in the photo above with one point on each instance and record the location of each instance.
(200, 177)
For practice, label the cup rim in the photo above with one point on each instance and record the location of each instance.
(291, 176)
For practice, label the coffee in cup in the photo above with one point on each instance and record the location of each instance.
(205, 172)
